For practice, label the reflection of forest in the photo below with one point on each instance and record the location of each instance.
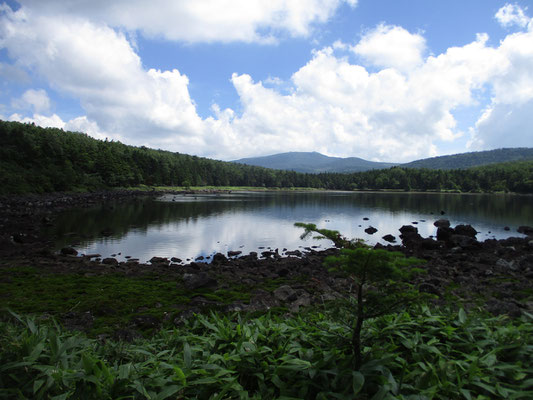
(117, 219)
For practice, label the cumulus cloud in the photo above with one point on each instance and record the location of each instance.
(391, 46)
(201, 20)
(395, 112)
(37, 100)
(98, 66)
(512, 14)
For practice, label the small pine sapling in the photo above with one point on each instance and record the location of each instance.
(380, 278)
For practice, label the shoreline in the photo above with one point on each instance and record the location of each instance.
(494, 275)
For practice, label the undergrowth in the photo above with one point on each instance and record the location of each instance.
(420, 354)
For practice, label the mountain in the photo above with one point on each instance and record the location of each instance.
(313, 162)
(473, 159)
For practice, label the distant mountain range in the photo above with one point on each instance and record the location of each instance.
(313, 162)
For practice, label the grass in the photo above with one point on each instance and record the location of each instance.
(420, 354)
(113, 299)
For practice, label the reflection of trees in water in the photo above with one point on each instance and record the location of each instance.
(116, 219)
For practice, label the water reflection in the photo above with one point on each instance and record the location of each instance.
(188, 226)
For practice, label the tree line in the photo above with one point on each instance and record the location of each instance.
(38, 160)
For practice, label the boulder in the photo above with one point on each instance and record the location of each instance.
(219, 258)
(526, 230)
(159, 261)
(200, 280)
(371, 230)
(442, 223)
(389, 238)
(69, 251)
(445, 233)
(465, 230)
(285, 293)
(234, 253)
(110, 261)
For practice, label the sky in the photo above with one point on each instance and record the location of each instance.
(384, 80)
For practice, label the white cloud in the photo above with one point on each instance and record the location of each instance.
(396, 113)
(53, 121)
(201, 20)
(37, 100)
(512, 14)
(391, 46)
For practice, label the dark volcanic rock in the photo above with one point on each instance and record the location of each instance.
(234, 253)
(371, 230)
(69, 251)
(389, 238)
(444, 233)
(442, 223)
(465, 230)
(526, 230)
(200, 280)
(219, 258)
(110, 261)
(410, 236)
(285, 293)
(498, 307)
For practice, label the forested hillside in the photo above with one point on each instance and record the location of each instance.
(37, 160)
(473, 159)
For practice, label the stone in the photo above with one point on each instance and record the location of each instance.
(219, 258)
(465, 230)
(302, 301)
(234, 253)
(200, 280)
(444, 233)
(110, 261)
(159, 261)
(371, 230)
(442, 223)
(499, 307)
(285, 293)
(526, 230)
(389, 238)
(145, 321)
(175, 259)
(69, 251)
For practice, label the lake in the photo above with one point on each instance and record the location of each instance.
(194, 225)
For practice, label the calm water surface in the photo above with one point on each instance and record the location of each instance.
(189, 226)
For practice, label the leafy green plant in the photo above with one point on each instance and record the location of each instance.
(379, 277)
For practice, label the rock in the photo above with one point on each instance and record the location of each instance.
(465, 230)
(296, 253)
(371, 230)
(267, 254)
(219, 258)
(303, 301)
(159, 261)
(285, 293)
(408, 229)
(283, 272)
(428, 244)
(110, 261)
(175, 259)
(69, 251)
(442, 223)
(263, 300)
(499, 307)
(526, 230)
(410, 236)
(234, 253)
(463, 241)
(200, 280)
(389, 238)
(506, 228)
(365, 219)
(199, 258)
(511, 265)
(444, 233)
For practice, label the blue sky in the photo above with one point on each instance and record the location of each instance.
(385, 80)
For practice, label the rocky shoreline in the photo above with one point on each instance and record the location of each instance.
(495, 275)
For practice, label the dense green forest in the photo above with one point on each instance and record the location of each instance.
(37, 160)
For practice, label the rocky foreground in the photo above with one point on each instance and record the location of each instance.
(496, 275)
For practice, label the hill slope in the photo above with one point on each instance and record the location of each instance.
(313, 162)
(473, 159)
(316, 163)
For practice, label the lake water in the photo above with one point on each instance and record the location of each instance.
(189, 226)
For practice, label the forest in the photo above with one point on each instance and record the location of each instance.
(39, 160)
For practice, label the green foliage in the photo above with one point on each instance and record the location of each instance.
(421, 354)
(380, 279)
(38, 160)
